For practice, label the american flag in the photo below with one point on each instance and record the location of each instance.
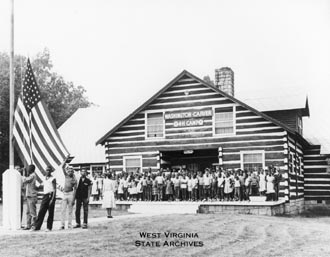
(36, 138)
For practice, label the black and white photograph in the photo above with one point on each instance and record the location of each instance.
(164, 128)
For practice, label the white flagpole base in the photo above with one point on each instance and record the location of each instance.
(11, 197)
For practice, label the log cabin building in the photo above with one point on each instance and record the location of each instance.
(193, 124)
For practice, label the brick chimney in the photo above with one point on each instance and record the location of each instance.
(224, 80)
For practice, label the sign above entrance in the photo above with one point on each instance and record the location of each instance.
(188, 114)
(188, 123)
(188, 118)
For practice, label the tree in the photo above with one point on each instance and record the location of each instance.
(62, 98)
(208, 80)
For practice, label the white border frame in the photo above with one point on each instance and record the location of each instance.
(132, 157)
(146, 125)
(234, 122)
(253, 152)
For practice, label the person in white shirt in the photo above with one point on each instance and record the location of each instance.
(194, 183)
(183, 187)
(200, 186)
(207, 184)
(48, 201)
(221, 182)
(121, 188)
(176, 184)
(160, 184)
(189, 183)
(94, 188)
(126, 183)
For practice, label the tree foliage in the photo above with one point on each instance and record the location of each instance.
(63, 98)
(208, 80)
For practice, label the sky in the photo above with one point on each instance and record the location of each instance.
(124, 51)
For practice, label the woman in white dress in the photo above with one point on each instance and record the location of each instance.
(228, 189)
(270, 186)
(109, 188)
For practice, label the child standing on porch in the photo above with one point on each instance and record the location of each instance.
(237, 188)
(160, 183)
(189, 187)
(270, 187)
(133, 190)
(221, 181)
(194, 183)
(228, 187)
(139, 189)
(154, 189)
(183, 187)
(200, 186)
(262, 183)
(176, 183)
(169, 189)
(149, 189)
(248, 186)
(121, 188)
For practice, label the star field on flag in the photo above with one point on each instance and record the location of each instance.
(31, 93)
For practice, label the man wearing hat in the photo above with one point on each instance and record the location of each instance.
(83, 194)
(48, 201)
(69, 194)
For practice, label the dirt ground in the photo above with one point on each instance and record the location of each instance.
(221, 235)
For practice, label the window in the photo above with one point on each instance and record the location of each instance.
(155, 125)
(299, 160)
(224, 121)
(133, 163)
(97, 169)
(252, 160)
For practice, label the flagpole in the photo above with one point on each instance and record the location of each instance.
(11, 88)
(30, 136)
(11, 178)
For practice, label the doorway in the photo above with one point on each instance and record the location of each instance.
(192, 160)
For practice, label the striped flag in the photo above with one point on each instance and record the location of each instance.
(36, 138)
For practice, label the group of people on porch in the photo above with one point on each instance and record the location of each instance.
(210, 185)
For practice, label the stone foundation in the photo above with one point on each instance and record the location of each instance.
(294, 207)
(243, 209)
(311, 204)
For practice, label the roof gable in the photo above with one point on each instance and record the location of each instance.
(182, 76)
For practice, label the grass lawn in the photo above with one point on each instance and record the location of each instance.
(92, 213)
(222, 235)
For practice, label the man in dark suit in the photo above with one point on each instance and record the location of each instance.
(83, 194)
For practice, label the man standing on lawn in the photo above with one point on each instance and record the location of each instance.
(69, 194)
(83, 194)
(31, 196)
(48, 201)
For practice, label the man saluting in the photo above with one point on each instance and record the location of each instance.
(69, 192)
